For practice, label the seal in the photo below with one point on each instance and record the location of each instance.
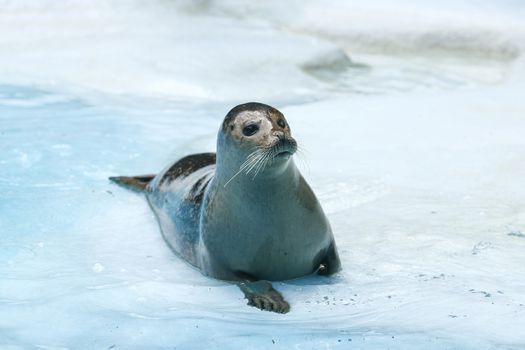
(244, 214)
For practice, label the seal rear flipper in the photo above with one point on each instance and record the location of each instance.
(262, 295)
(135, 183)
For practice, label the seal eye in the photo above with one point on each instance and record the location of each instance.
(250, 130)
(281, 123)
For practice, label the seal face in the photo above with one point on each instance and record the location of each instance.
(246, 213)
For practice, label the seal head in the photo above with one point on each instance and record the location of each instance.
(255, 139)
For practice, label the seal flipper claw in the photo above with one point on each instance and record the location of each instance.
(262, 295)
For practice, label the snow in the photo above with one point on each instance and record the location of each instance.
(410, 122)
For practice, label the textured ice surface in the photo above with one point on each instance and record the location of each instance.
(416, 152)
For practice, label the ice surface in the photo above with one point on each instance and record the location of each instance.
(410, 118)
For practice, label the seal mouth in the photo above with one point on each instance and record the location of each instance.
(285, 147)
(284, 154)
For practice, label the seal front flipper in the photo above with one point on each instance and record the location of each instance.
(331, 263)
(262, 295)
(135, 183)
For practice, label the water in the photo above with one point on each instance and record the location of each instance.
(416, 152)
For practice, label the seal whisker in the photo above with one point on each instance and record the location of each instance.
(254, 162)
(267, 157)
(263, 155)
(251, 160)
(233, 177)
(258, 166)
(241, 168)
(302, 157)
(248, 166)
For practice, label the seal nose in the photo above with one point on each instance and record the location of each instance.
(280, 134)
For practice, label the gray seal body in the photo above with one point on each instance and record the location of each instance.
(245, 213)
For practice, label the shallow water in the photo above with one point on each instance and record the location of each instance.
(416, 152)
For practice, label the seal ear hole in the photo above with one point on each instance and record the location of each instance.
(232, 127)
(250, 130)
(281, 123)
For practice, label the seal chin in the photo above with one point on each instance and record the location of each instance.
(284, 155)
(284, 148)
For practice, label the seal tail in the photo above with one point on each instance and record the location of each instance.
(134, 183)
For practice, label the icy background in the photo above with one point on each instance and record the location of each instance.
(412, 116)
